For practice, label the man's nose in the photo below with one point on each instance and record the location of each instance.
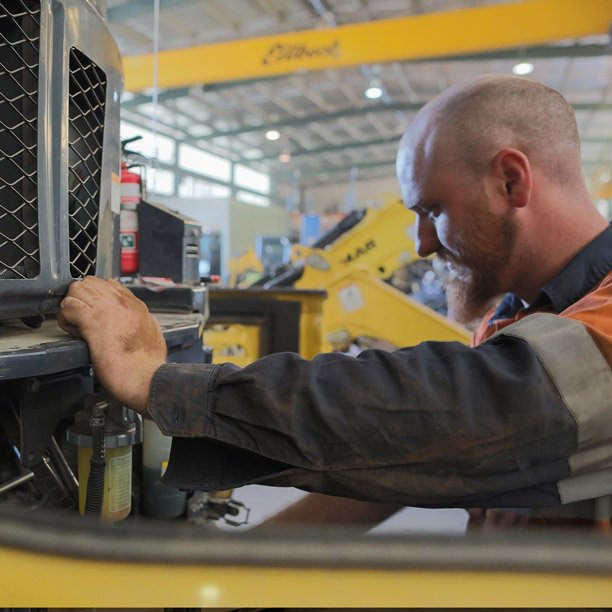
(427, 241)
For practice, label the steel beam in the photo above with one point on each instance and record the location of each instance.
(372, 143)
(531, 52)
(592, 106)
(331, 149)
(319, 117)
(361, 166)
(162, 96)
(473, 30)
(353, 112)
(181, 92)
(323, 117)
(375, 164)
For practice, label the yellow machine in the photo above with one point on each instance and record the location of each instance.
(352, 268)
(379, 238)
(350, 264)
(50, 562)
(246, 324)
(244, 269)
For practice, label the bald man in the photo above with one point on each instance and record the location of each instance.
(521, 419)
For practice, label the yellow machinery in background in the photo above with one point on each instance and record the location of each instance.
(349, 265)
(379, 238)
(243, 268)
(246, 324)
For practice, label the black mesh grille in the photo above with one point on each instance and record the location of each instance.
(19, 43)
(87, 92)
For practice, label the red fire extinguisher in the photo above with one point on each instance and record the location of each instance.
(128, 228)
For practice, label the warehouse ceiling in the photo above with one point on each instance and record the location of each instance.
(327, 126)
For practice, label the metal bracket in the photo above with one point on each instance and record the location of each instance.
(43, 403)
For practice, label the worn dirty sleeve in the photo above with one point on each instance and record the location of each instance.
(439, 424)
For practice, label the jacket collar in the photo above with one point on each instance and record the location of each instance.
(586, 270)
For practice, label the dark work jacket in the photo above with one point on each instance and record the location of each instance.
(522, 420)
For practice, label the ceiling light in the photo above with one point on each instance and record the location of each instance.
(284, 158)
(523, 68)
(272, 134)
(374, 92)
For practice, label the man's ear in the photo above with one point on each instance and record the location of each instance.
(512, 172)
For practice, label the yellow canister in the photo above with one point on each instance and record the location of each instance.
(117, 482)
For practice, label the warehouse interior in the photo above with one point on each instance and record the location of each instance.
(233, 164)
(334, 147)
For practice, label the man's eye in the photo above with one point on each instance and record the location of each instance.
(433, 212)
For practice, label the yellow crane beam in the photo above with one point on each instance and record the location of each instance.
(454, 32)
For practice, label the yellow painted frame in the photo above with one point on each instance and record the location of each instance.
(38, 580)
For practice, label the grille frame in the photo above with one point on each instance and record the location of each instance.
(19, 81)
(64, 25)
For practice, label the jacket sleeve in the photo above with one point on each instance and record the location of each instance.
(439, 424)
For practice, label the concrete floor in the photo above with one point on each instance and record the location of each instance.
(267, 501)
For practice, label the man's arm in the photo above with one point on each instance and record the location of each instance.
(435, 425)
(122, 334)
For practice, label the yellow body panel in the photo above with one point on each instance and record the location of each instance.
(464, 31)
(382, 241)
(359, 304)
(311, 321)
(235, 343)
(36, 580)
(248, 336)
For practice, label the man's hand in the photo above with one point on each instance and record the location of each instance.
(126, 344)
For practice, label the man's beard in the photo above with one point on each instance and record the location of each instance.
(481, 251)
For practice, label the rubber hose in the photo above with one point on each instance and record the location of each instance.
(97, 468)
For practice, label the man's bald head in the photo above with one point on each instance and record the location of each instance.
(472, 121)
(492, 169)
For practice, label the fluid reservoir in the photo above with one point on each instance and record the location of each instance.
(160, 502)
(122, 429)
(117, 482)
